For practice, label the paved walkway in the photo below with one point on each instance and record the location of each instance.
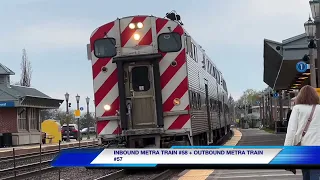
(256, 137)
(245, 137)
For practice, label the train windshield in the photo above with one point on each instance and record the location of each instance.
(140, 78)
(169, 42)
(104, 48)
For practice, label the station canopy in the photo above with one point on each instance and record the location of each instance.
(280, 61)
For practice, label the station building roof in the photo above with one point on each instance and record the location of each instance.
(20, 96)
(280, 59)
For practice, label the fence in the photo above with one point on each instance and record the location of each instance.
(21, 163)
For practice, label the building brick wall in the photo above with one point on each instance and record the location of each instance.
(8, 120)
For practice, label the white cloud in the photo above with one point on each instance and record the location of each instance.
(43, 37)
(236, 95)
(248, 22)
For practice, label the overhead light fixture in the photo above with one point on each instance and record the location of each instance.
(306, 74)
(303, 78)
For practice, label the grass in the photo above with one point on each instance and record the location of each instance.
(268, 130)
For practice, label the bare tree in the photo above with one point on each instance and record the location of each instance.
(26, 70)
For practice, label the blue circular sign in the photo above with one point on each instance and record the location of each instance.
(301, 67)
(275, 95)
(81, 108)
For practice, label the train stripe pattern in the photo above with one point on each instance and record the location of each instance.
(177, 98)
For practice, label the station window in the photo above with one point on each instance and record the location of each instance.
(140, 78)
(169, 42)
(105, 48)
(22, 118)
(34, 118)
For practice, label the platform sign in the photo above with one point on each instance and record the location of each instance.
(6, 103)
(318, 91)
(276, 95)
(77, 113)
(302, 67)
(81, 108)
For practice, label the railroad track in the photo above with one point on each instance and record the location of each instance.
(29, 165)
(149, 175)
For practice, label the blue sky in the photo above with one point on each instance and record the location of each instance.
(55, 34)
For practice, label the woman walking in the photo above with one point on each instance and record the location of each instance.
(304, 125)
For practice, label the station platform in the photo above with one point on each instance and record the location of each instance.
(244, 137)
(22, 150)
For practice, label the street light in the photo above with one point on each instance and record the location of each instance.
(315, 10)
(78, 99)
(88, 100)
(67, 115)
(310, 29)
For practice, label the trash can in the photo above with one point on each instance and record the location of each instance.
(7, 139)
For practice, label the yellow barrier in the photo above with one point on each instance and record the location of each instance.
(52, 129)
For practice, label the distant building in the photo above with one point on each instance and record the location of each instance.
(256, 110)
(20, 109)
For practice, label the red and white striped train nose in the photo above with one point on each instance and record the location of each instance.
(136, 35)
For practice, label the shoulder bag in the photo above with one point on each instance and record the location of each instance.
(294, 171)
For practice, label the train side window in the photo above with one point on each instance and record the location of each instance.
(199, 100)
(169, 42)
(211, 104)
(195, 56)
(140, 78)
(105, 48)
(193, 100)
(214, 72)
(205, 61)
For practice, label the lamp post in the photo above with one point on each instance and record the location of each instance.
(78, 99)
(88, 100)
(95, 119)
(310, 28)
(315, 9)
(67, 115)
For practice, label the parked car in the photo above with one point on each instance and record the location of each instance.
(92, 130)
(73, 132)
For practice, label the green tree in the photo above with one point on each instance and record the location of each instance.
(64, 118)
(87, 120)
(249, 96)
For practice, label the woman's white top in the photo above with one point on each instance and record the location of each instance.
(297, 122)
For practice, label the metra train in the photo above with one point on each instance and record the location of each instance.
(154, 86)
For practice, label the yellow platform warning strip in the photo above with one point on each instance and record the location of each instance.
(203, 174)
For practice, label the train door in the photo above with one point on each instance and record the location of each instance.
(139, 87)
(208, 111)
(224, 115)
(219, 106)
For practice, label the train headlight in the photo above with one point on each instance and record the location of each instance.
(136, 37)
(107, 107)
(176, 101)
(139, 25)
(132, 26)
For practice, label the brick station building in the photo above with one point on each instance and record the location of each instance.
(20, 109)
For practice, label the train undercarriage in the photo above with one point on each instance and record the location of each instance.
(154, 138)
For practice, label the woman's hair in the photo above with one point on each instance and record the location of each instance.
(307, 95)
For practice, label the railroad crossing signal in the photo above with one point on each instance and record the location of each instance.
(77, 113)
(301, 67)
